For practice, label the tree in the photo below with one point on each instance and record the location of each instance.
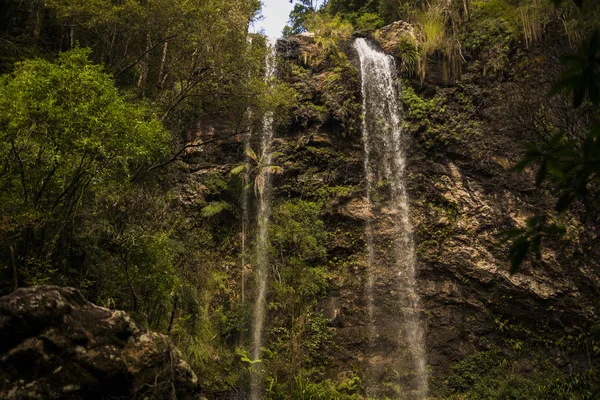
(67, 137)
(258, 167)
(299, 15)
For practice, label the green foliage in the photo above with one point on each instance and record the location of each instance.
(306, 389)
(408, 55)
(300, 338)
(341, 102)
(298, 17)
(417, 108)
(330, 33)
(529, 239)
(215, 207)
(368, 21)
(490, 36)
(297, 233)
(68, 138)
(572, 164)
(582, 75)
(490, 375)
(470, 372)
(582, 386)
(256, 170)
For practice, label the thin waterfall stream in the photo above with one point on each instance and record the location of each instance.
(393, 259)
(264, 191)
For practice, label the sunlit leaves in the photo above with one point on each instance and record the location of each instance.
(65, 134)
(216, 207)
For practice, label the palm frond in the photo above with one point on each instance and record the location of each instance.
(238, 169)
(272, 169)
(251, 154)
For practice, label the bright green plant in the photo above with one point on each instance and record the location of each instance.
(67, 137)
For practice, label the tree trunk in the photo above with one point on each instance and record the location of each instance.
(144, 64)
(243, 261)
(172, 320)
(130, 283)
(15, 271)
(161, 69)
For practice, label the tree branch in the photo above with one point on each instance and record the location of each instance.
(184, 148)
(144, 54)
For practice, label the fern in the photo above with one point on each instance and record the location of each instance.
(215, 207)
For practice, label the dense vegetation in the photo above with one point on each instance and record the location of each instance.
(108, 107)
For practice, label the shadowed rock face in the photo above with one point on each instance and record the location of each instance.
(462, 195)
(56, 344)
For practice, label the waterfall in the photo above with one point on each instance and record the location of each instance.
(264, 190)
(390, 246)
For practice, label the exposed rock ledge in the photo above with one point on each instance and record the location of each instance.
(56, 344)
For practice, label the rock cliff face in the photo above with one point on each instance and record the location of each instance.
(464, 137)
(56, 344)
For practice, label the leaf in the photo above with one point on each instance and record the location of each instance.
(259, 184)
(245, 359)
(273, 169)
(517, 253)
(564, 202)
(251, 154)
(564, 84)
(555, 230)
(238, 170)
(542, 173)
(511, 233)
(578, 94)
(214, 208)
(530, 147)
(521, 165)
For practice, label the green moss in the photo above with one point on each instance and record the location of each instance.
(417, 108)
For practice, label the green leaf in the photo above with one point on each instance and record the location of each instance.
(517, 253)
(273, 169)
(564, 202)
(251, 155)
(238, 170)
(542, 173)
(215, 207)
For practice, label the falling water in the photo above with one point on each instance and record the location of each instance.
(384, 164)
(245, 201)
(264, 213)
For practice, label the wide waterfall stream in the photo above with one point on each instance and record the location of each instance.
(263, 189)
(391, 260)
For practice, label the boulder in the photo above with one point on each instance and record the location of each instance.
(294, 46)
(389, 36)
(56, 344)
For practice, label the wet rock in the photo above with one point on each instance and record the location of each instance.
(56, 344)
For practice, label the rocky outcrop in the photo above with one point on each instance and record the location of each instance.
(389, 37)
(293, 47)
(464, 137)
(56, 344)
